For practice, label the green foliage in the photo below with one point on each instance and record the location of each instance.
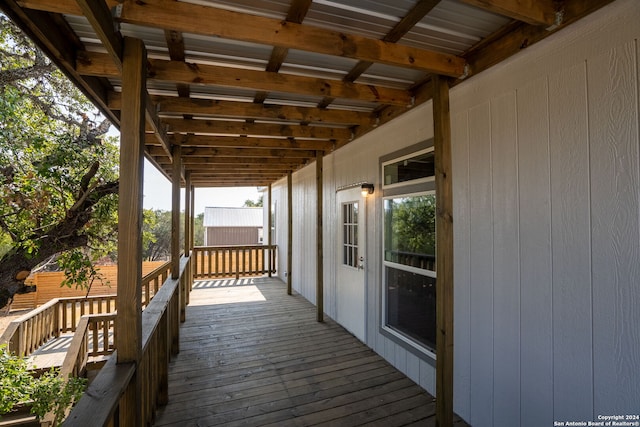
(79, 270)
(156, 233)
(254, 204)
(47, 393)
(15, 381)
(57, 171)
(414, 224)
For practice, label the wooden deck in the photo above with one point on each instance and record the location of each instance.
(251, 355)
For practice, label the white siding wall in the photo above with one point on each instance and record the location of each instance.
(546, 228)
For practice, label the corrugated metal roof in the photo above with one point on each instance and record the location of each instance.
(233, 217)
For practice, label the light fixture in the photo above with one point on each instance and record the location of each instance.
(366, 189)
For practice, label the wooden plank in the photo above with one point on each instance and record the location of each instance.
(100, 65)
(107, 388)
(99, 16)
(519, 36)
(255, 29)
(315, 371)
(258, 129)
(289, 231)
(444, 260)
(534, 12)
(535, 254)
(248, 142)
(571, 242)
(319, 242)
(130, 199)
(247, 110)
(238, 152)
(129, 304)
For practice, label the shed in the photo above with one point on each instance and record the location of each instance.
(232, 226)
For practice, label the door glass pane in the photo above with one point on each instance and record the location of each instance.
(350, 234)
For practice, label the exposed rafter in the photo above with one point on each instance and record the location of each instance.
(534, 12)
(247, 110)
(97, 64)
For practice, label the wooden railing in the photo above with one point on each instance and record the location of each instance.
(234, 261)
(61, 315)
(101, 403)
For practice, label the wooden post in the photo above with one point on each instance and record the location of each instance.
(187, 234)
(175, 211)
(187, 215)
(175, 227)
(192, 240)
(319, 247)
(269, 226)
(129, 299)
(289, 231)
(444, 259)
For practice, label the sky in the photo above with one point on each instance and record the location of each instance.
(157, 193)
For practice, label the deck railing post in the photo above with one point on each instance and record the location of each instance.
(129, 324)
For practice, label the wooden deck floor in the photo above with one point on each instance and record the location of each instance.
(250, 355)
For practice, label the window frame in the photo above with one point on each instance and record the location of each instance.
(417, 187)
(391, 186)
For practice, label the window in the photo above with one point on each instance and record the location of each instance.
(409, 267)
(415, 168)
(350, 234)
(409, 250)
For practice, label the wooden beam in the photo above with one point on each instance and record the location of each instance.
(238, 152)
(444, 258)
(99, 16)
(247, 142)
(233, 169)
(258, 129)
(534, 12)
(247, 110)
(240, 162)
(129, 298)
(289, 232)
(99, 64)
(193, 18)
(319, 243)
(159, 130)
(519, 36)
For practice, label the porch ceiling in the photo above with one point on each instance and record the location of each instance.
(253, 89)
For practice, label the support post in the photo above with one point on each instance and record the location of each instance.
(129, 299)
(192, 239)
(269, 227)
(187, 234)
(175, 226)
(444, 259)
(319, 246)
(187, 215)
(289, 231)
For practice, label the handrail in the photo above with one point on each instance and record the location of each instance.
(160, 339)
(30, 331)
(234, 260)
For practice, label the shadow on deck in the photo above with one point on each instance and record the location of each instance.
(251, 355)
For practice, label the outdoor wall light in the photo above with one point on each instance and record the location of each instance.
(366, 189)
